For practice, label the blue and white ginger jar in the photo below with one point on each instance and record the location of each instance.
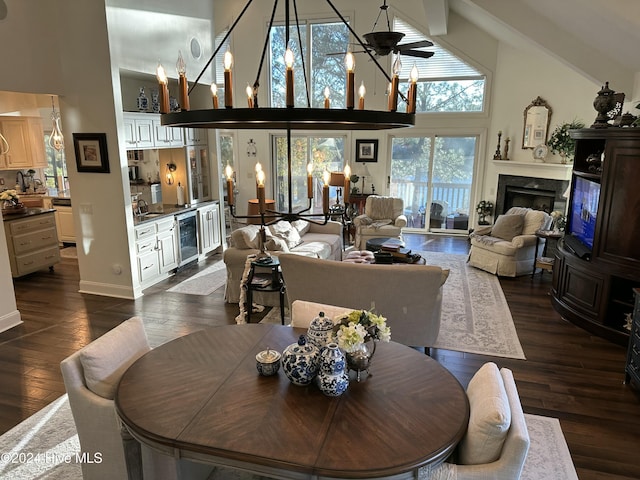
(320, 331)
(332, 379)
(300, 362)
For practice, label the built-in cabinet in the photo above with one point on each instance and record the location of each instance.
(32, 243)
(198, 174)
(25, 137)
(593, 287)
(208, 229)
(166, 137)
(138, 130)
(156, 250)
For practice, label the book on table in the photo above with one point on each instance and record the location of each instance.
(261, 281)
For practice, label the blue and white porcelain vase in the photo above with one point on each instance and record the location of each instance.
(300, 362)
(142, 101)
(320, 331)
(332, 379)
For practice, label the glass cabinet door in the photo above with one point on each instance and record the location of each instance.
(199, 174)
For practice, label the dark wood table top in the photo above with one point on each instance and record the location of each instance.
(201, 394)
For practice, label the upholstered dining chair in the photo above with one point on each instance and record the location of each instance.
(91, 377)
(496, 443)
(383, 217)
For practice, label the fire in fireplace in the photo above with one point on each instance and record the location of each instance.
(537, 193)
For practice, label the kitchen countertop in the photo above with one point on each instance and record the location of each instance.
(168, 210)
(31, 212)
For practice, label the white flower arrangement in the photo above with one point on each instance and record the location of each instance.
(359, 327)
(10, 196)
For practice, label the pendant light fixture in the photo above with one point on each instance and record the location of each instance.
(56, 139)
(291, 117)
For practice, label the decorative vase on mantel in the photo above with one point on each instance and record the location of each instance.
(564, 158)
(360, 360)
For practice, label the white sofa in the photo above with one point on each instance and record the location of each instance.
(412, 307)
(507, 248)
(309, 239)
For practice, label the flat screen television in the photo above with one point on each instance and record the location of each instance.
(584, 210)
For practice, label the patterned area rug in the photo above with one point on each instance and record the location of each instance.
(45, 445)
(205, 282)
(475, 314)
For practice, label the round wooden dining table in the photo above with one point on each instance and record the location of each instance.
(200, 397)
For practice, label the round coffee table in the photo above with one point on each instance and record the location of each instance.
(375, 244)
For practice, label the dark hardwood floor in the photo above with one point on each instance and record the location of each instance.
(568, 374)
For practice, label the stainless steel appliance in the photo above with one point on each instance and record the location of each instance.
(188, 237)
(134, 174)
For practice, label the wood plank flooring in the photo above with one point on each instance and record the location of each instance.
(568, 374)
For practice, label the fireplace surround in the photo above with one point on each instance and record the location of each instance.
(537, 193)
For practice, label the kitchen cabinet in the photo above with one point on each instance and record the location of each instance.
(208, 229)
(166, 137)
(36, 132)
(195, 136)
(198, 174)
(138, 130)
(32, 243)
(156, 250)
(16, 131)
(64, 222)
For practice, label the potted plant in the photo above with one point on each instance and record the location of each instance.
(560, 141)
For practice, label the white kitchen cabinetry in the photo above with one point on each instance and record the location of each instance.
(195, 136)
(166, 137)
(32, 243)
(198, 174)
(138, 129)
(156, 250)
(64, 222)
(208, 228)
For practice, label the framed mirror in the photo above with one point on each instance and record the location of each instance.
(537, 118)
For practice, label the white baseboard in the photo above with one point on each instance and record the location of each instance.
(107, 290)
(10, 320)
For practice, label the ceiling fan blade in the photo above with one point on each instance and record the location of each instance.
(420, 44)
(417, 53)
(331, 54)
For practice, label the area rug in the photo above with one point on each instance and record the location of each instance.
(475, 314)
(51, 442)
(204, 282)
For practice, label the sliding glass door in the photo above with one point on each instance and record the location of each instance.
(433, 175)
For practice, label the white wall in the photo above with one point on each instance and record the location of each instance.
(9, 314)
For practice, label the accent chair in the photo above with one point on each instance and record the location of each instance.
(383, 218)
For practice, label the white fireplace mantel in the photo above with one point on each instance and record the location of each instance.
(557, 171)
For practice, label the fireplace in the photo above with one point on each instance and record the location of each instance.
(537, 193)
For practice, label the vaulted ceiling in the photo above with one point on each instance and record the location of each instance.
(598, 39)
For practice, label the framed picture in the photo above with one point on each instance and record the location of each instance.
(91, 152)
(366, 150)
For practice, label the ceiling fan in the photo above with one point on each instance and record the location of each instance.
(382, 43)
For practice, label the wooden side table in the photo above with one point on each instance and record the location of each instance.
(265, 276)
(543, 262)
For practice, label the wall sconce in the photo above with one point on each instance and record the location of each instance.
(171, 167)
(252, 150)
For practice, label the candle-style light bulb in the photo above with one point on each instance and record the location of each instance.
(181, 68)
(413, 89)
(361, 92)
(309, 180)
(228, 88)
(325, 191)
(327, 101)
(229, 173)
(347, 183)
(163, 91)
(260, 177)
(395, 81)
(288, 61)
(350, 64)
(249, 91)
(214, 95)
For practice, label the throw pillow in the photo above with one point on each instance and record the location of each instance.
(285, 231)
(105, 360)
(489, 417)
(302, 226)
(507, 227)
(246, 237)
(275, 244)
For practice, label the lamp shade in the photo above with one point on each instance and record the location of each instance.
(336, 179)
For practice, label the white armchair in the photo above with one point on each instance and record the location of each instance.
(91, 377)
(496, 424)
(383, 218)
(508, 247)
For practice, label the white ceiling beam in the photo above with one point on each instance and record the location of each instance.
(437, 16)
